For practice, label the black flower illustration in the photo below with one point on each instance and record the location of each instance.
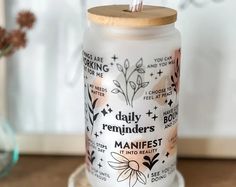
(129, 170)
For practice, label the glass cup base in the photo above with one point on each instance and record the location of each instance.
(78, 179)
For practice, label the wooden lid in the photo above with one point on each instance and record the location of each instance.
(118, 15)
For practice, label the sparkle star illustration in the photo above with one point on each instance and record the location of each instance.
(104, 112)
(96, 134)
(159, 73)
(170, 103)
(99, 165)
(110, 110)
(149, 113)
(114, 58)
(154, 117)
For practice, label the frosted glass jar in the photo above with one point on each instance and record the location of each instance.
(132, 70)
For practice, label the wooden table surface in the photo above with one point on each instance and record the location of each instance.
(45, 171)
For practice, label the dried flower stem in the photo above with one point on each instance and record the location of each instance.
(11, 41)
(5, 51)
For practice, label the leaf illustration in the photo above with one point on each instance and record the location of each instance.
(116, 83)
(147, 158)
(144, 84)
(156, 155)
(147, 165)
(90, 98)
(139, 64)
(153, 163)
(115, 91)
(119, 67)
(141, 70)
(92, 153)
(90, 109)
(139, 80)
(94, 103)
(126, 64)
(176, 75)
(132, 84)
(95, 117)
(172, 84)
(91, 121)
(172, 78)
(150, 162)
(92, 160)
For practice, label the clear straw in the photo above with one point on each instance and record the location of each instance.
(136, 6)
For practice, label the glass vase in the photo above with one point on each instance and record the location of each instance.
(8, 148)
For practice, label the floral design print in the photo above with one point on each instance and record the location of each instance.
(135, 86)
(129, 170)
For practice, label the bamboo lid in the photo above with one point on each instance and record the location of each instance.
(118, 15)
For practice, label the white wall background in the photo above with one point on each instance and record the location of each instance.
(41, 100)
